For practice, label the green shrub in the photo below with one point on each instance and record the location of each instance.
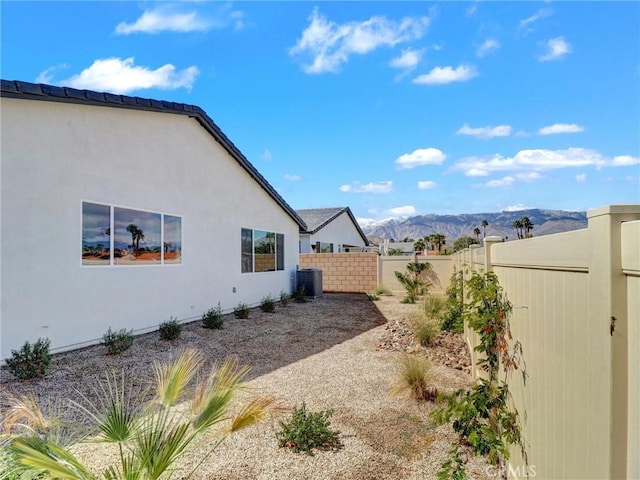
(31, 361)
(213, 318)
(424, 330)
(308, 430)
(117, 342)
(241, 311)
(268, 304)
(373, 296)
(451, 317)
(434, 306)
(300, 295)
(284, 298)
(171, 329)
(381, 290)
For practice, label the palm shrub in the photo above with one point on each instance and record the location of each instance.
(117, 342)
(31, 361)
(307, 430)
(151, 435)
(171, 329)
(213, 318)
(268, 304)
(413, 281)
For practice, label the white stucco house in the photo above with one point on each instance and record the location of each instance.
(330, 230)
(122, 212)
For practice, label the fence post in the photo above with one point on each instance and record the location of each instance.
(488, 243)
(608, 307)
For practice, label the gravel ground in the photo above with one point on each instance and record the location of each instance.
(335, 352)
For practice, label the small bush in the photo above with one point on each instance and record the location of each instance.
(171, 329)
(268, 304)
(241, 311)
(434, 306)
(382, 290)
(117, 342)
(424, 330)
(284, 298)
(213, 318)
(308, 430)
(31, 361)
(300, 296)
(451, 318)
(414, 375)
(373, 296)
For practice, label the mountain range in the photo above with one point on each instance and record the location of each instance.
(545, 222)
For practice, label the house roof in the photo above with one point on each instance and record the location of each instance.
(33, 91)
(317, 218)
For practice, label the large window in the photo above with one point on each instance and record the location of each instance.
(323, 247)
(262, 251)
(124, 236)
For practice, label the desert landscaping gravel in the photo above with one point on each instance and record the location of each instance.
(336, 352)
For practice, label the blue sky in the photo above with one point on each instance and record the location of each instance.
(391, 108)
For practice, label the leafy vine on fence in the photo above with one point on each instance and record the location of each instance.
(484, 417)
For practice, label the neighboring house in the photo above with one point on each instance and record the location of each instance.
(330, 230)
(123, 212)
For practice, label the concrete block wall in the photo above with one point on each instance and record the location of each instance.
(344, 272)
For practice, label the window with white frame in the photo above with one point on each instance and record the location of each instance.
(262, 251)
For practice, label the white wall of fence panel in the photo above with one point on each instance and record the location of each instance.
(580, 406)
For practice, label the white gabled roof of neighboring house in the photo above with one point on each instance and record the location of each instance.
(318, 218)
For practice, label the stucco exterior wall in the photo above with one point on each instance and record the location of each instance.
(340, 231)
(56, 155)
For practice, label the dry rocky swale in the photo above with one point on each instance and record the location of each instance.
(337, 352)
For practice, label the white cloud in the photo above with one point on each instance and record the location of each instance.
(486, 47)
(426, 184)
(538, 160)
(46, 76)
(292, 178)
(403, 211)
(164, 19)
(560, 128)
(625, 161)
(121, 76)
(471, 11)
(518, 207)
(503, 182)
(329, 44)
(485, 132)
(528, 176)
(419, 157)
(266, 155)
(408, 59)
(443, 75)
(556, 48)
(371, 187)
(581, 177)
(542, 13)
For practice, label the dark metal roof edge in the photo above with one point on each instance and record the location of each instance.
(42, 92)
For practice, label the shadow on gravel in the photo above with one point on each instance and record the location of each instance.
(265, 341)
